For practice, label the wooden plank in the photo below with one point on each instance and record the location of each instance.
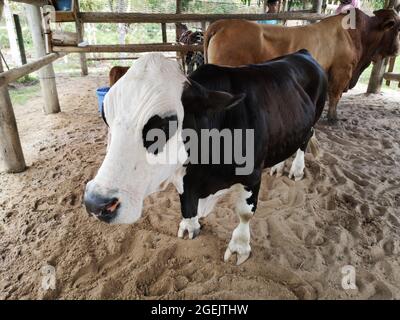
(391, 76)
(65, 16)
(157, 47)
(117, 58)
(16, 73)
(131, 17)
(33, 2)
(64, 38)
(112, 58)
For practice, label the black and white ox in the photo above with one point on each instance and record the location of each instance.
(279, 101)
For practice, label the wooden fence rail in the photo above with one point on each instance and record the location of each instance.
(154, 47)
(131, 17)
(16, 73)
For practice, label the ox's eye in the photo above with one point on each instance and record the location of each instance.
(157, 131)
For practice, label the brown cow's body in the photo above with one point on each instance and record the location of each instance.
(343, 53)
(116, 73)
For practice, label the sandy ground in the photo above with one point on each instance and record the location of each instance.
(345, 212)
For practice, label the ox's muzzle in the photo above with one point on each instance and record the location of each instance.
(105, 209)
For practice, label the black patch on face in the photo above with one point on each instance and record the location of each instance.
(167, 124)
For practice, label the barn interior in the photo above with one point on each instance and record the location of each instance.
(344, 212)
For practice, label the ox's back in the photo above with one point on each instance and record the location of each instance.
(284, 99)
(240, 42)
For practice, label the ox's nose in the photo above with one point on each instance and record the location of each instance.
(104, 209)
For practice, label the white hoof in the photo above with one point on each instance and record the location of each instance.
(241, 255)
(239, 244)
(278, 169)
(192, 226)
(296, 175)
(297, 169)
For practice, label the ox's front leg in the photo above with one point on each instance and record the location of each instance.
(190, 220)
(245, 207)
(297, 168)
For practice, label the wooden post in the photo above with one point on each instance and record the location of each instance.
(178, 11)
(12, 35)
(179, 54)
(11, 156)
(203, 26)
(81, 32)
(20, 39)
(164, 32)
(46, 74)
(392, 62)
(376, 79)
(317, 6)
(46, 13)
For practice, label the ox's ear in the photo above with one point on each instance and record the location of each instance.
(387, 18)
(196, 98)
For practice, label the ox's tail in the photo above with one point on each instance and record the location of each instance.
(212, 29)
(314, 146)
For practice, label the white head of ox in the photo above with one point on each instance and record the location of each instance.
(149, 96)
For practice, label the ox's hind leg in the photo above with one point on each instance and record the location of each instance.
(297, 169)
(298, 165)
(278, 169)
(245, 207)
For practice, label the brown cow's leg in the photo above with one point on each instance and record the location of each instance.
(334, 98)
(338, 82)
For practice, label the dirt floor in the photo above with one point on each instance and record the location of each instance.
(345, 212)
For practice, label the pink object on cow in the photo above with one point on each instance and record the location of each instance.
(344, 7)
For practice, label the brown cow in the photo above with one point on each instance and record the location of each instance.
(116, 73)
(343, 53)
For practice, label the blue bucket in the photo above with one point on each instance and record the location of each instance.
(101, 93)
(63, 5)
